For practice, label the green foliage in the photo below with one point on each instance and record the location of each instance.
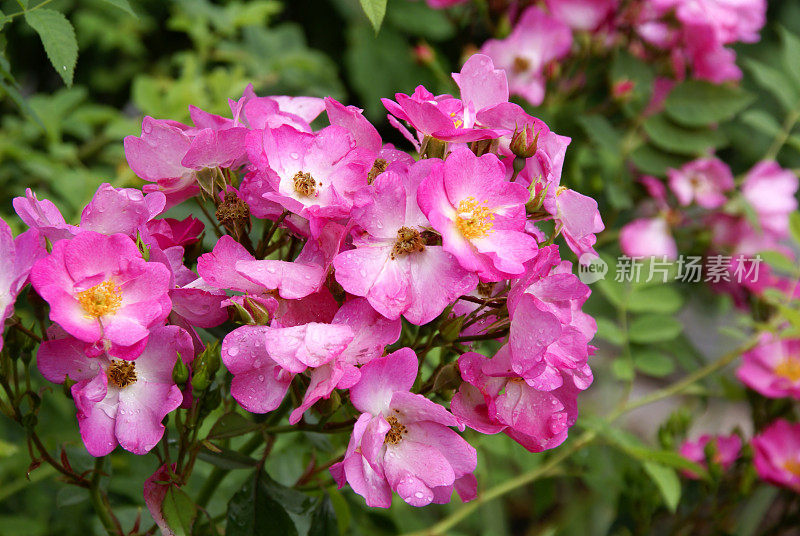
(58, 39)
(375, 10)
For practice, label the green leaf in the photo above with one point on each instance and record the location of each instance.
(677, 139)
(654, 161)
(375, 11)
(252, 512)
(779, 262)
(179, 511)
(609, 331)
(667, 481)
(696, 103)
(654, 328)
(653, 363)
(323, 519)
(231, 425)
(622, 368)
(416, 18)
(628, 67)
(601, 132)
(658, 299)
(227, 459)
(794, 226)
(58, 38)
(124, 5)
(762, 122)
(774, 81)
(791, 54)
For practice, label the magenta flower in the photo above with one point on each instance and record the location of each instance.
(771, 190)
(102, 292)
(258, 113)
(703, 181)
(480, 215)
(156, 488)
(725, 451)
(648, 237)
(313, 175)
(393, 266)
(169, 232)
(777, 454)
(587, 15)
(772, 368)
(536, 40)
(402, 442)
(502, 401)
(371, 334)
(447, 118)
(18, 254)
(123, 210)
(119, 402)
(578, 219)
(43, 216)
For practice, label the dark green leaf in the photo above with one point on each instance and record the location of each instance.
(794, 226)
(323, 519)
(609, 331)
(791, 54)
(654, 328)
(252, 512)
(231, 425)
(654, 161)
(375, 11)
(696, 103)
(416, 18)
(677, 139)
(58, 38)
(227, 459)
(761, 121)
(179, 511)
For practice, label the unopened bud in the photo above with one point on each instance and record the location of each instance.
(180, 373)
(258, 312)
(450, 331)
(200, 381)
(524, 143)
(144, 249)
(622, 89)
(424, 54)
(448, 378)
(327, 406)
(67, 386)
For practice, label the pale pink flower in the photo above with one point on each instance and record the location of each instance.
(587, 15)
(771, 190)
(703, 181)
(725, 450)
(402, 442)
(18, 256)
(648, 237)
(777, 454)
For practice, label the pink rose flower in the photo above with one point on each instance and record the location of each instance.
(402, 442)
(587, 15)
(480, 215)
(648, 237)
(772, 368)
(119, 402)
(771, 190)
(18, 254)
(703, 181)
(777, 454)
(102, 292)
(725, 451)
(536, 40)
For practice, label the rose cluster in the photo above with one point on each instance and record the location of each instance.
(692, 37)
(340, 262)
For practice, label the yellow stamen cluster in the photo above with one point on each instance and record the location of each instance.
(789, 368)
(486, 289)
(475, 220)
(396, 433)
(408, 241)
(121, 373)
(304, 184)
(793, 466)
(378, 167)
(100, 300)
(520, 65)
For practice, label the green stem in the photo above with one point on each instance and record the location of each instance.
(100, 501)
(24, 11)
(783, 135)
(217, 474)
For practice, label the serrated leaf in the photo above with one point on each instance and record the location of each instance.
(659, 299)
(375, 10)
(696, 103)
(774, 81)
(124, 5)
(667, 482)
(653, 363)
(179, 511)
(58, 39)
(654, 328)
(677, 139)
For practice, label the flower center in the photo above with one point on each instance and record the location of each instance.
(121, 373)
(793, 466)
(100, 300)
(789, 368)
(378, 167)
(396, 433)
(408, 241)
(521, 65)
(474, 219)
(485, 289)
(304, 184)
